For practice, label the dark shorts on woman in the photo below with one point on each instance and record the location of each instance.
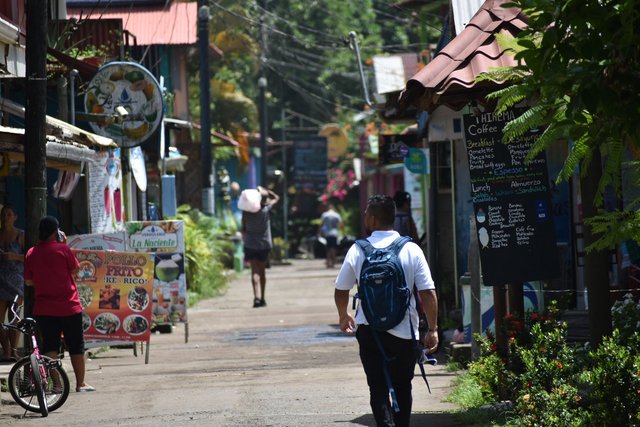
(332, 242)
(256, 254)
(52, 326)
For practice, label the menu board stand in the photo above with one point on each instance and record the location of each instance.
(511, 201)
(165, 241)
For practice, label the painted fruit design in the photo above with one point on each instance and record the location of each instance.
(128, 85)
(117, 204)
(107, 199)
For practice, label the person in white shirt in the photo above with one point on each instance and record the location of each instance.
(330, 223)
(398, 342)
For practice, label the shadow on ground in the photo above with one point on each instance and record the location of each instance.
(439, 419)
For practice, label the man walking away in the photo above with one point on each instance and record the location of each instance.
(256, 236)
(398, 343)
(330, 222)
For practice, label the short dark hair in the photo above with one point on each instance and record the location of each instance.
(48, 225)
(383, 208)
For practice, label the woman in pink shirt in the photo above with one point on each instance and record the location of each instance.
(50, 267)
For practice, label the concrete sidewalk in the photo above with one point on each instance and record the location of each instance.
(286, 364)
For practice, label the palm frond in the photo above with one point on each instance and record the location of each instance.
(580, 150)
(502, 74)
(551, 134)
(508, 97)
(614, 227)
(530, 119)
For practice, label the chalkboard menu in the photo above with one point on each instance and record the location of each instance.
(395, 148)
(310, 164)
(511, 201)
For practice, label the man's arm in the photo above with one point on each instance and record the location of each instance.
(274, 197)
(347, 322)
(430, 308)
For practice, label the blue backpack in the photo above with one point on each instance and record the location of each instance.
(385, 298)
(382, 289)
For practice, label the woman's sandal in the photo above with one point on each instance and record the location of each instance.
(85, 389)
(257, 302)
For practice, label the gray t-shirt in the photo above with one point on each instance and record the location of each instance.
(330, 222)
(257, 229)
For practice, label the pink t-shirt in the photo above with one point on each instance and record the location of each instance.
(49, 265)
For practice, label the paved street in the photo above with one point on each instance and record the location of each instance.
(286, 364)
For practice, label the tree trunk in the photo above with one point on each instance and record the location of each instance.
(596, 264)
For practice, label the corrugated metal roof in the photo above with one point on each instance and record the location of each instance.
(449, 78)
(173, 24)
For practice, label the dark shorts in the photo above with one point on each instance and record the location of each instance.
(256, 254)
(332, 242)
(52, 326)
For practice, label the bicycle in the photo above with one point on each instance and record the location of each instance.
(35, 375)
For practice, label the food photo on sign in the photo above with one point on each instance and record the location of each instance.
(170, 289)
(115, 290)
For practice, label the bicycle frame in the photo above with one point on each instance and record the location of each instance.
(27, 326)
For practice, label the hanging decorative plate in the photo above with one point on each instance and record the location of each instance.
(128, 85)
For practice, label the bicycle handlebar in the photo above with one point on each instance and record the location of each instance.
(24, 325)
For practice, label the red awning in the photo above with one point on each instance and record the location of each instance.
(173, 24)
(449, 79)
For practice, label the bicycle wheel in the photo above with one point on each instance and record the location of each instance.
(57, 387)
(38, 382)
(22, 388)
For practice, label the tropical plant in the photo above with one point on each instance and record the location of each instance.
(583, 88)
(555, 382)
(207, 255)
(578, 73)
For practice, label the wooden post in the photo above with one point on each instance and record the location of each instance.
(500, 310)
(475, 287)
(516, 299)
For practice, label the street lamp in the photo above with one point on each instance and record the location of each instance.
(262, 86)
(208, 204)
(281, 174)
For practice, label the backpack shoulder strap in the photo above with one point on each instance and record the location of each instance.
(397, 245)
(365, 245)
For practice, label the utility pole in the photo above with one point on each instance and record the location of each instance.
(35, 126)
(285, 184)
(262, 104)
(208, 199)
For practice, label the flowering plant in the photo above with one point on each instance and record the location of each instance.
(341, 178)
(625, 315)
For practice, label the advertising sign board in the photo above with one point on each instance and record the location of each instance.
(512, 202)
(165, 239)
(115, 290)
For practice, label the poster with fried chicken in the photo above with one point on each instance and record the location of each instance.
(115, 290)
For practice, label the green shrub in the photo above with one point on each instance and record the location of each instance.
(491, 373)
(552, 382)
(548, 394)
(612, 381)
(625, 315)
(467, 392)
(206, 254)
